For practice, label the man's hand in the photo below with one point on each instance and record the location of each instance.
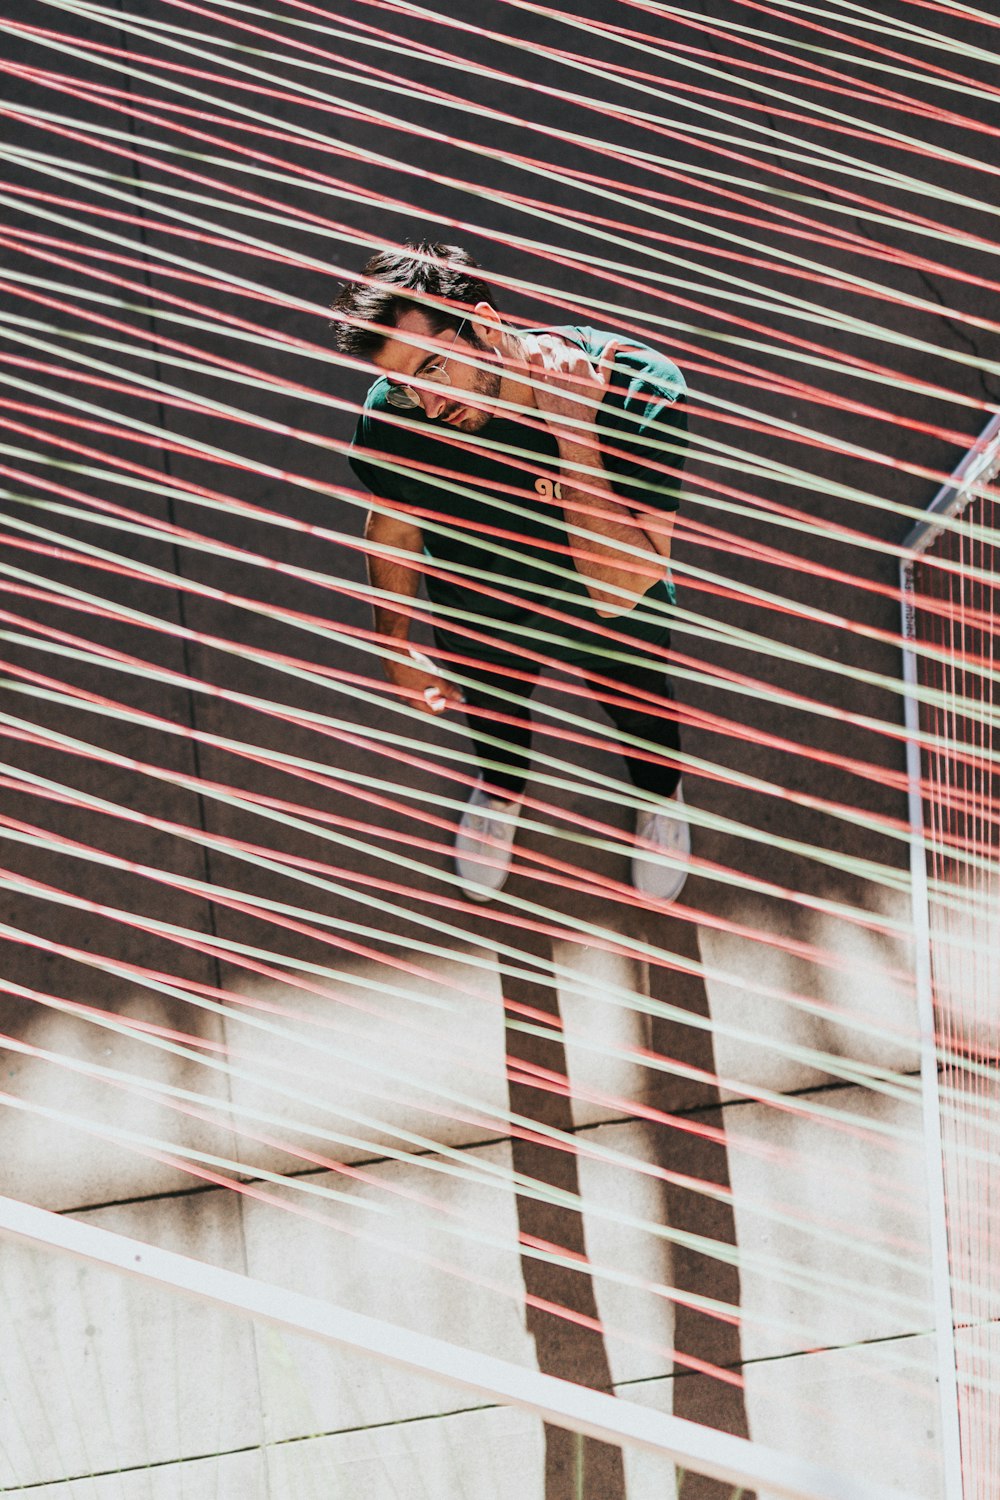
(416, 675)
(570, 388)
(421, 683)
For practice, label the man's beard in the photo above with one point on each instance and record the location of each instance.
(484, 391)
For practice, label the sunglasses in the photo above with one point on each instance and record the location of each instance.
(405, 398)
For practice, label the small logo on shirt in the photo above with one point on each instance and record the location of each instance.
(549, 489)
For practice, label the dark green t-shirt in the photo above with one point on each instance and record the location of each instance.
(505, 476)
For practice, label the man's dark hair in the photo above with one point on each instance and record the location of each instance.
(423, 274)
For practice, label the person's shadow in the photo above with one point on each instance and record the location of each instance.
(697, 1397)
(585, 1469)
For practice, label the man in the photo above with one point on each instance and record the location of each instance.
(475, 429)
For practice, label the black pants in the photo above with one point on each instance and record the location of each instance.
(654, 722)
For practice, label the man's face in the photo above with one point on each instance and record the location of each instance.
(467, 398)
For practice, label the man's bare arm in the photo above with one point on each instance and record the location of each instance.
(566, 396)
(394, 575)
(590, 503)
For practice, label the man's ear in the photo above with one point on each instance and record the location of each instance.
(488, 326)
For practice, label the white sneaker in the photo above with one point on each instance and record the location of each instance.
(484, 842)
(667, 828)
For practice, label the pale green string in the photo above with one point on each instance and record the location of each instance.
(868, 20)
(535, 1189)
(657, 446)
(610, 1155)
(723, 23)
(882, 65)
(733, 457)
(453, 61)
(182, 38)
(673, 216)
(797, 196)
(675, 615)
(866, 869)
(657, 437)
(794, 1276)
(252, 807)
(623, 793)
(529, 1186)
(595, 144)
(886, 875)
(869, 1076)
(708, 501)
(744, 461)
(826, 1062)
(733, 287)
(743, 80)
(460, 1163)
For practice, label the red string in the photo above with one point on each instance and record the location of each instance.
(671, 655)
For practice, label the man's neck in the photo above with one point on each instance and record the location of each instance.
(513, 387)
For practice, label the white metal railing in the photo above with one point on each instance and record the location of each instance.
(979, 467)
(733, 1460)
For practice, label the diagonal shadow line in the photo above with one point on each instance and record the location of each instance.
(575, 1469)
